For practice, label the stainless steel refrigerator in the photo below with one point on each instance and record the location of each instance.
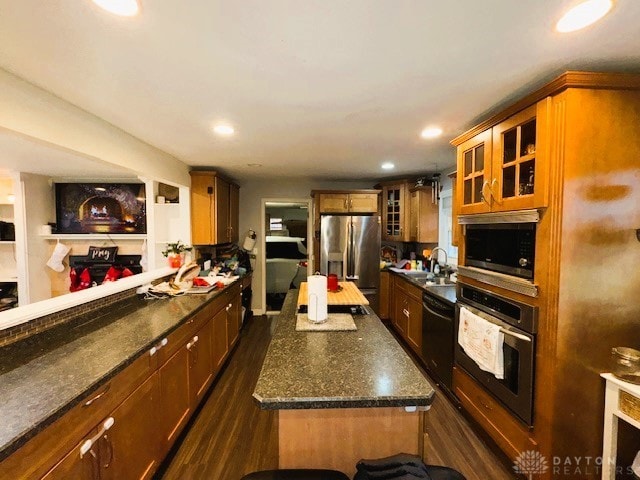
(350, 248)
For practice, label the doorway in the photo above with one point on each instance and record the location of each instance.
(287, 248)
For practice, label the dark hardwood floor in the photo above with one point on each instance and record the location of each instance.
(230, 436)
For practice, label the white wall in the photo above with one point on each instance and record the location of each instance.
(251, 194)
(38, 209)
(32, 111)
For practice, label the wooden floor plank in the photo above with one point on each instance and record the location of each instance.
(230, 436)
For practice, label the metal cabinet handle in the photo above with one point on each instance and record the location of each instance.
(495, 199)
(98, 396)
(406, 312)
(350, 203)
(86, 446)
(482, 195)
(192, 343)
(153, 350)
(228, 307)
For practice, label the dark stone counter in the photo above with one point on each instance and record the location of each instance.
(446, 293)
(348, 369)
(44, 376)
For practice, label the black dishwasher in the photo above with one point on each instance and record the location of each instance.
(438, 337)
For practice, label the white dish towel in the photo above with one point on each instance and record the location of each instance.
(482, 341)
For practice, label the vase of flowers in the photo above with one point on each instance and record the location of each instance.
(175, 253)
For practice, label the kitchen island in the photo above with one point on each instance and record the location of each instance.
(341, 395)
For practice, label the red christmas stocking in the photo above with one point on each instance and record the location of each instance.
(112, 275)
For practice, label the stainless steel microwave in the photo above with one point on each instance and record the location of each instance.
(502, 247)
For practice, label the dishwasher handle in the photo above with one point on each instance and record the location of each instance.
(437, 307)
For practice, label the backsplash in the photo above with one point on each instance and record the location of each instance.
(41, 324)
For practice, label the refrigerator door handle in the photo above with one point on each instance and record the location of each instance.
(345, 254)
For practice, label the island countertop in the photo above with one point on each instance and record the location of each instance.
(338, 369)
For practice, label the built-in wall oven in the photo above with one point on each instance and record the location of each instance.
(518, 322)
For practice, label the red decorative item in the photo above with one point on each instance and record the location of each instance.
(126, 272)
(112, 275)
(75, 280)
(85, 279)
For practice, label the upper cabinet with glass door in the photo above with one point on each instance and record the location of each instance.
(503, 168)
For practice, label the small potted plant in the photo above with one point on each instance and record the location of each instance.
(175, 252)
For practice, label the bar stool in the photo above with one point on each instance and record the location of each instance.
(296, 474)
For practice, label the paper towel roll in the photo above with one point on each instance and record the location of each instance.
(317, 298)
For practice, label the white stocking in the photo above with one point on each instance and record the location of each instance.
(55, 261)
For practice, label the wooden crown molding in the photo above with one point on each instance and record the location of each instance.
(570, 79)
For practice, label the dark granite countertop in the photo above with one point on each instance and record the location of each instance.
(446, 293)
(44, 376)
(348, 369)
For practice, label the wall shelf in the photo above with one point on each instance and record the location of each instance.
(94, 236)
(7, 242)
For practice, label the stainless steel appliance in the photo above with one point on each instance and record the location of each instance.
(519, 324)
(438, 336)
(350, 248)
(502, 247)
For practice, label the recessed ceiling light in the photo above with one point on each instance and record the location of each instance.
(388, 166)
(124, 8)
(583, 15)
(224, 129)
(431, 132)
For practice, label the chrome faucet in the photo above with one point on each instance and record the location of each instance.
(433, 258)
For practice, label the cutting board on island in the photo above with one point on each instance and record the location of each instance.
(349, 294)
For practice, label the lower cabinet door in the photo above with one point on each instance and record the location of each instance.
(414, 329)
(75, 466)
(175, 404)
(200, 363)
(131, 447)
(219, 341)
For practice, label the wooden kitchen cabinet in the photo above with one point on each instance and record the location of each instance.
(455, 226)
(234, 319)
(76, 466)
(150, 402)
(175, 397)
(583, 168)
(395, 218)
(200, 348)
(220, 344)
(423, 216)
(401, 312)
(504, 167)
(409, 311)
(132, 445)
(214, 209)
(510, 434)
(348, 202)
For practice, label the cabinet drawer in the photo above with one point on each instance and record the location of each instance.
(180, 336)
(42, 452)
(509, 434)
(409, 288)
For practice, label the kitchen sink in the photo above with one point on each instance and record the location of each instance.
(422, 279)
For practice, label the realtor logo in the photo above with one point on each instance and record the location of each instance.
(530, 462)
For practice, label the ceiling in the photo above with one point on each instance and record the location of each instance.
(24, 154)
(322, 89)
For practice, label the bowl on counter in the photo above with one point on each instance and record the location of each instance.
(626, 364)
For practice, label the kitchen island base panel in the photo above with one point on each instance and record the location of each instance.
(337, 438)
